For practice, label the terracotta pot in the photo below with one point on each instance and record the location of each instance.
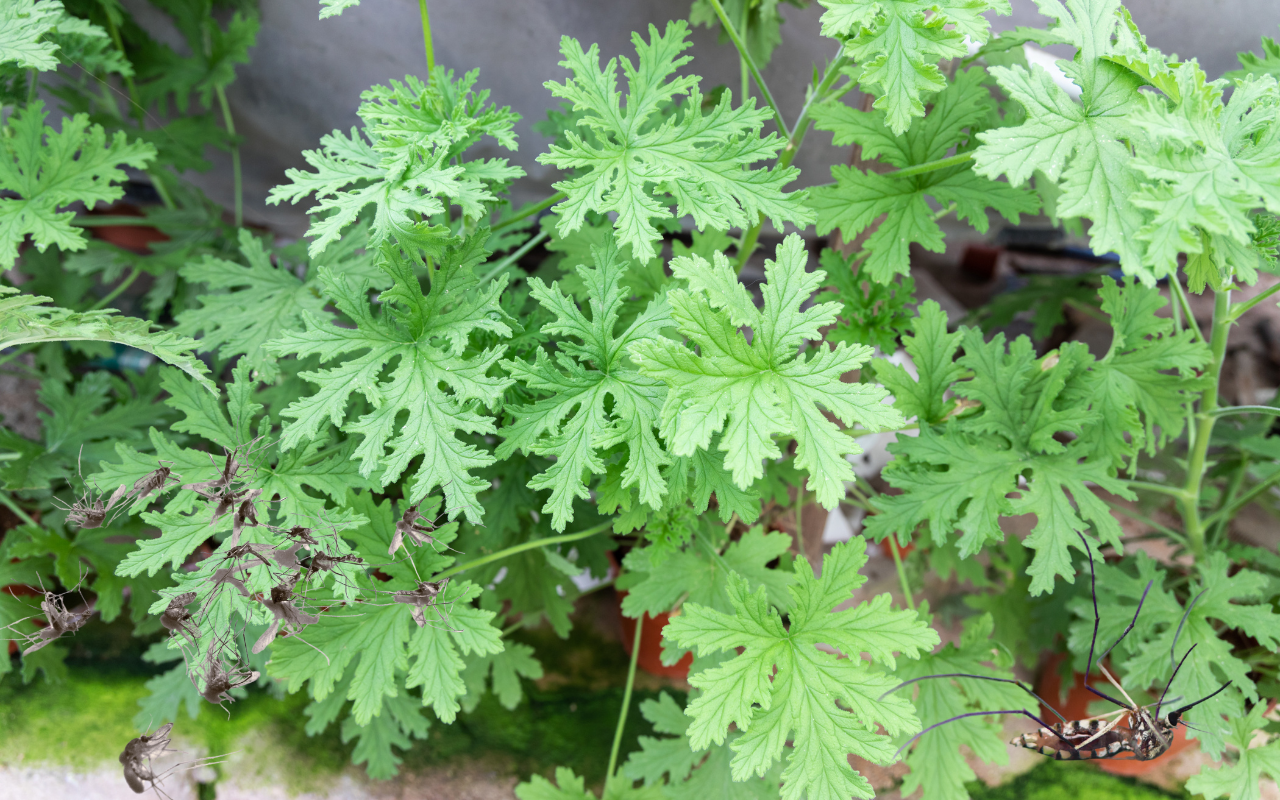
(1076, 706)
(135, 238)
(888, 543)
(650, 658)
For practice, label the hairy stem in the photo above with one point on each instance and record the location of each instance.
(1243, 500)
(1222, 412)
(932, 166)
(902, 572)
(230, 125)
(1175, 286)
(1242, 308)
(743, 72)
(528, 212)
(513, 258)
(751, 66)
(426, 37)
(135, 108)
(520, 548)
(119, 290)
(626, 701)
(1196, 463)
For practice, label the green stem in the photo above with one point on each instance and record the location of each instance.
(17, 511)
(751, 65)
(902, 572)
(135, 108)
(513, 258)
(235, 154)
(1244, 499)
(1159, 488)
(1143, 518)
(626, 702)
(1222, 412)
(932, 166)
(105, 219)
(743, 72)
(17, 351)
(1242, 308)
(528, 212)
(426, 38)
(1196, 464)
(800, 516)
(116, 292)
(520, 548)
(1216, 528)
(749, 239)
(1176, 286)
(34, 78)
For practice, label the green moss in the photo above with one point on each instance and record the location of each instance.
(81, 722)
(1055, 780)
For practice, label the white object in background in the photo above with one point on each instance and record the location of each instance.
(875, 453)
(837, 529)
(1049, 63)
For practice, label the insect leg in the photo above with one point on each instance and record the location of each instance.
(1097, 620)
(1027, 714)
(1017, 683)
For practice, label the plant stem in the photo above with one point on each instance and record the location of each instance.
(136, 110)
(520, 548)
(743, 72)
(749, 239)
(1175, 286)
(426, 38)
(516, 256)
(1222, 412)
(1242, 308)
(800, 516)
(751, 65)
(1245, 499)
(902, 572)
(1204, 427)
(235, 154)
(1214, 529)
(120, 287)
(17, 510)
(34, 77)
(932, 166)
(626, 701)
(528, 212)
(1159, 488)
(1164, 530)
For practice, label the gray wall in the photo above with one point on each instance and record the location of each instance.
(306, 75)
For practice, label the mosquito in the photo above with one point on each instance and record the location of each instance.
(154, 482)
(280, 603)
(219, 681)
(410, 525)
(222, 490)
(427, 595)
(137, 756)
(59, 621)
(177, 619)
(1147, 736)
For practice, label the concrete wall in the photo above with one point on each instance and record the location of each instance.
(307, 75)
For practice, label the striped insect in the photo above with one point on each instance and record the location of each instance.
(1131, 729)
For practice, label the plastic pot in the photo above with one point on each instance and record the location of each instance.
(650, 658)
(888, 543)
(135, 238)
(1076, 706)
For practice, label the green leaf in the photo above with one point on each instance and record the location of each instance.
(1077, 144)
(407, 163)
(634, 163)
(271, 301)
(858, 199)
(23, 23)
(516, 660)
(937, 761)
(762, 29)
(425, 336)
(332, 8)
(48, 169)
(1253, 64)
(1243, 779)
(781, 686)
(764, 386)
(572, 787)
(1208, 165)
(24, 319)
(870, 312)
(403, 719)
(932, 351)
(898, 44)
(597, 398)
(1146, 663)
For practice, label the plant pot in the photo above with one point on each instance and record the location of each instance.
(1076, 706)
(888, 543)
(134, 238)
(650, 658)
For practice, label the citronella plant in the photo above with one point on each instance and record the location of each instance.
(382, 452)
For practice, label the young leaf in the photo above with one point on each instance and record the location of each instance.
(598, 399)
(1253, 64)
(407, 162)
(1209, 164)
(1242, 780)
(332, 8)
(900, 42)
(24, 319)
(507, 668)
(798, 701)
(765, 386)
(403, 719)
(858, 199)
(870, 312)
(426, 335)
(932, 350)
(634, 163)
(1078, 144)
(48, 169)
(572, 787)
